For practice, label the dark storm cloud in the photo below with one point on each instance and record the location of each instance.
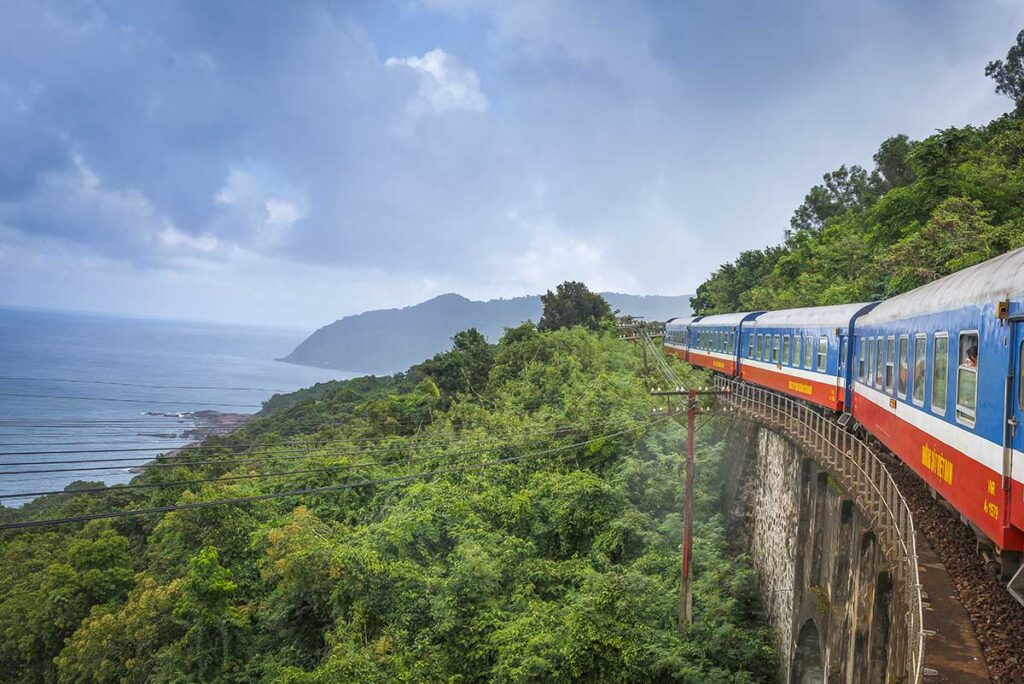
(411, 147)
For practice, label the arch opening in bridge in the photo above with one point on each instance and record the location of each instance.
(808, 665)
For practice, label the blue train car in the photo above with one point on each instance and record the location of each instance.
(676, 340)
(937, 378)
(714, 341)
(802, 352)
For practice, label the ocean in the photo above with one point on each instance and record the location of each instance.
(75, 385)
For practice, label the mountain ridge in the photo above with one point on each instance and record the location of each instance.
(384, 341)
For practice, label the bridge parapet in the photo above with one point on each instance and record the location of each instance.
(864, 477)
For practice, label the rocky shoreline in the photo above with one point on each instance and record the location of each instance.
(204, 424)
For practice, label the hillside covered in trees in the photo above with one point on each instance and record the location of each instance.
(504, 512)
(929, 208)
(389, 340)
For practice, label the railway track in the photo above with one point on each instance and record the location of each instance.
(997, 618)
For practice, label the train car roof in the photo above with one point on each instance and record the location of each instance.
(988, 282)
(726, 319)
(681, 321)
(835, 316)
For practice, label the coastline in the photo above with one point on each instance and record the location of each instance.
(206, 423)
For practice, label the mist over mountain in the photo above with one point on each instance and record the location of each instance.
(389, 340)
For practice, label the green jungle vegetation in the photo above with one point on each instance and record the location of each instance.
(929, 208)
(559, 565)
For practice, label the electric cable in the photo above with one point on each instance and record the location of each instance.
(312, 490)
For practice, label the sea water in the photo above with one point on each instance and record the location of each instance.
(68, 385)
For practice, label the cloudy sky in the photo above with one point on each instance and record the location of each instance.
(293, 162)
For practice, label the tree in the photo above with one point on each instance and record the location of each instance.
(573, 304)
(893, 161)
(464, 368)
(1009, 75)
(844, 189)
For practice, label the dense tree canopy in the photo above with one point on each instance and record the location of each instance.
(573, 304)
(563, 566)
(930, 208)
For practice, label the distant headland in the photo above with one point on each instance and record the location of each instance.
(388, 340)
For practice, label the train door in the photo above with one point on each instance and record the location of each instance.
(1013, 446)
(1013, 437)
(839, 389)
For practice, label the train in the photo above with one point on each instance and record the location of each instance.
(934, 375)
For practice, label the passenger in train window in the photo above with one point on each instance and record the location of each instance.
(972, 357)
(903, 371)
(967, 379)
(920, 368)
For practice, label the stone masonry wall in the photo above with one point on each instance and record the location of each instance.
(826, 581)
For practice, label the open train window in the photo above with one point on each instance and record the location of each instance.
(940, 372)
(879, 361)
(903, 371)
(890, 363)
(822, 353)
(863, 353)
(809, 352)
(920, 368)
(796, 350)
(750, 347)
(775, 349)
(871, 360)
(967, 378)
(785, 349)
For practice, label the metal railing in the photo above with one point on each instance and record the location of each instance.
(864, 477)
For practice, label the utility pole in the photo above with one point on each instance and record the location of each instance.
(686, 564)
(686, 561)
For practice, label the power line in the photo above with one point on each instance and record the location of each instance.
(136, 384)
(291, 455)
(196, 447)
(128, 401)
(311, 490)
(304, 471)
(303, 452)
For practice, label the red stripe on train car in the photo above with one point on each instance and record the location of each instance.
(721, 365)
(675, 351)
(971, 487)
(820, 393)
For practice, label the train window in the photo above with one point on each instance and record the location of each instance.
(967, 378)
(920, 368)
(775, 349)
(750, 347)
(890, 363)
(879, 361)
(842, 353)
(757, 347)
(809, 353)
(822, 353)
(785, 349)
(796, 350)
(940, 372)
(732, 343)
(863, 352)
(869, 376)
(903, 370)
(1020, 378)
